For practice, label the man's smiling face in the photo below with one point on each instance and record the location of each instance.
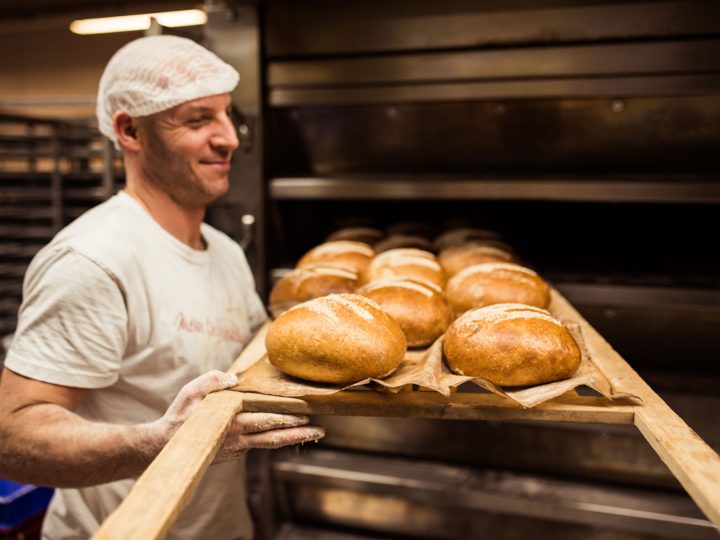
(187, 150)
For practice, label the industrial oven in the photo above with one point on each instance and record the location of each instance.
(587, 134)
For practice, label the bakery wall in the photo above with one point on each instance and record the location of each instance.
(52, 72)
(47, 71)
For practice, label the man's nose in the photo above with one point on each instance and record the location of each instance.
(226, 135)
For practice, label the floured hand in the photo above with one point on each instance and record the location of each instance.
(248, 430)
(266, 430)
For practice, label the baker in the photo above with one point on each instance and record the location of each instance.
(131, 313)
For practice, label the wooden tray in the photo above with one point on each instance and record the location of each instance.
(164, 488)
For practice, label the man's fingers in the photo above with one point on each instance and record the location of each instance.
(267, 430)
(189, 396)
(278, 438)
(209, 382)
(245, 423)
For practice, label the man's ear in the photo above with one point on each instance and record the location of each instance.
(126, 130)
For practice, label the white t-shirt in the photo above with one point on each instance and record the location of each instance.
(116, 304)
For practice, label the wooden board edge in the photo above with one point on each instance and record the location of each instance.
(689, 458)
(460, 406)
(163, 490)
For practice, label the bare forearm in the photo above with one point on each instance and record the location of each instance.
(48, 445)
(43, 442)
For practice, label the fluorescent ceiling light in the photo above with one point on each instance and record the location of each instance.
(128, 23)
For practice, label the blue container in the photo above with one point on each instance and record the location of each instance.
(20, 502)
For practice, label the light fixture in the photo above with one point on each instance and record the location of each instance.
(128, 23)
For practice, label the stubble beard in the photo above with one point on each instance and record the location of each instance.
(174, 175)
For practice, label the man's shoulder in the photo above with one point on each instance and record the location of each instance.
(100, 233)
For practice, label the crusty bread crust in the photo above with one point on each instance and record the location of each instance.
(366, 235)
(313, 281)
(404, 263)
(419, 307)
(464, 235)
(355, 255)
(511, 345)
(455, 259)
(340, 339)
(496, 283)
(400, 241)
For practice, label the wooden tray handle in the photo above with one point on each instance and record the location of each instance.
(163, 490)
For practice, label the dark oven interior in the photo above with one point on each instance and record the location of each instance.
(586, 133)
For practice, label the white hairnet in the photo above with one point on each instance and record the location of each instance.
(155, 73)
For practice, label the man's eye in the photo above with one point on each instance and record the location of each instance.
(197, 120)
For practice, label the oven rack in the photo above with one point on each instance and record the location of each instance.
(618, 189)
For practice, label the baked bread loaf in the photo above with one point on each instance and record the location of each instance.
(419, 307)
(464, 235)
(407, 252)
(496, 283)
(310, 282)
(403, 241)
(339, 339)
(355, 255)
(366, 235)
(511, 345)
(458, 258)
(404, 262)
(411, 228)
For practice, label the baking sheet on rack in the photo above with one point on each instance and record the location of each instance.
(427, 370)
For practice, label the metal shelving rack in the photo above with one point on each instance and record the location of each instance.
(51, 171)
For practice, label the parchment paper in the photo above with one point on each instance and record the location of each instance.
(426, 369)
